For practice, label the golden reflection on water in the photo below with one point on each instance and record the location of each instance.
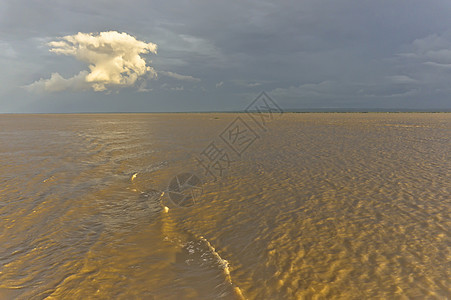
(348, 206)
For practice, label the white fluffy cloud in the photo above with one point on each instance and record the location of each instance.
(114, 60)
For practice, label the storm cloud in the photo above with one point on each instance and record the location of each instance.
(306, 54)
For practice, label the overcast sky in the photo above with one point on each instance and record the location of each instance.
(144, 56)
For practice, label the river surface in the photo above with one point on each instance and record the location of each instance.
(314, 206)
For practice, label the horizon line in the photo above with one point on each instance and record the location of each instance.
(311, 110)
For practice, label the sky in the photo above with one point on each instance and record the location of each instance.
(157, 56)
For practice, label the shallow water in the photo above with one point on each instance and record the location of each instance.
(347, 206)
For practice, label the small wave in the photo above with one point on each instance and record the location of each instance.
(134, 176)
(51, 178)
(200, 245)
(225, 266)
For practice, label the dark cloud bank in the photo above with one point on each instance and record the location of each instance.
(217, 55)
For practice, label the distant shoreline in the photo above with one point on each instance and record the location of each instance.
(233, 112)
